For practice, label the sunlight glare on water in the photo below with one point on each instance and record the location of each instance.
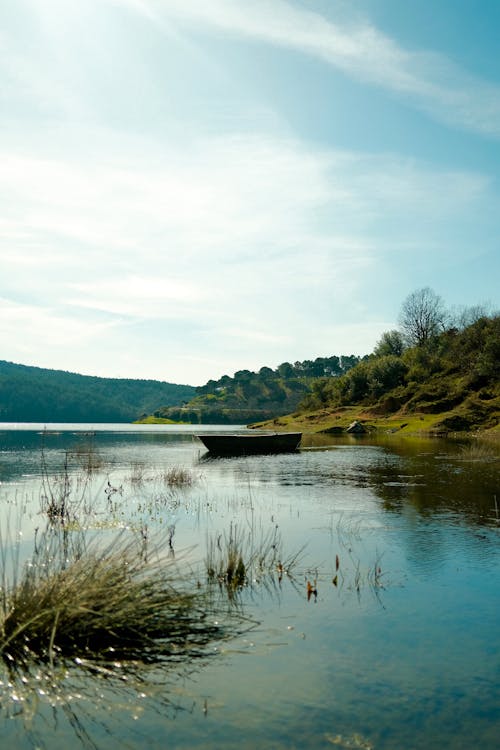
(382, 635)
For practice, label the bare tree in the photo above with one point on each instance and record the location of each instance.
(422, 316)
(462, 317)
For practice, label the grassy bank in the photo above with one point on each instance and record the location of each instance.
(417, 423)
(156, 420)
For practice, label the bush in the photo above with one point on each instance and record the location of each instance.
(385, 373)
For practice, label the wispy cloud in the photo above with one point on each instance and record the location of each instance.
(47, 324)
(154, 197)
(427, 79)
(138, 296)
(202, 215)
(286, 235)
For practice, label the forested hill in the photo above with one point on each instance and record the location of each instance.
(439, 373)
(251, 396)
(34, 394)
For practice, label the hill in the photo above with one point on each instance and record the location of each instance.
(250, 396)
(448, 381)
(34, 394)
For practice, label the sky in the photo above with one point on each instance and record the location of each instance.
(191, 188)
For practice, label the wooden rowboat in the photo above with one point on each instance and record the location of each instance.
(238, 444)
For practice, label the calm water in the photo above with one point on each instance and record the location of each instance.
(407, 659)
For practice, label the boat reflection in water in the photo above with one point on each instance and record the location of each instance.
(241, 444)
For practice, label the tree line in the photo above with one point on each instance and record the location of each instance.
(34, 394)
(321, 366)
(436, 360)
(251, 396)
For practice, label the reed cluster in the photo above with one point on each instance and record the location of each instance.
(178, 476)
(240, 558)
(175, 476)
(478, 451)
(75, 600)
(87, 457)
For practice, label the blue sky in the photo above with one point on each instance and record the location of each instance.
(191, 188)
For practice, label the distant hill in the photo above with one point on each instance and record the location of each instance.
(450, 382)
(251, 396)
(34, 394)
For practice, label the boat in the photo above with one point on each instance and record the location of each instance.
(242, 444)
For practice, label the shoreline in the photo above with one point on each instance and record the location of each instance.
(336, 422)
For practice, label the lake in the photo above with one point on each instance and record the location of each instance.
(378, 630)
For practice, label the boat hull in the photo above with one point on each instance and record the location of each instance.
(241, 445)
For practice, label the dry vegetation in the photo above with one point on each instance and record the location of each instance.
(76, 600)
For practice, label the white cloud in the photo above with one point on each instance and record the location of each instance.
(138, 296)
(26, 327)
(429, 79)
(218, 223)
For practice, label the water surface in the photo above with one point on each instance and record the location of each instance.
(402, 651)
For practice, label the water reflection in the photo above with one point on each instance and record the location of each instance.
(416, 668)
(438, 482)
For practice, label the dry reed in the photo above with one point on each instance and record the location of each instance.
(239, 559)
(79, 601)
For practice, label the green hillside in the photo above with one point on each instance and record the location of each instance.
(34, 394)
(251, 396)
(444, 379)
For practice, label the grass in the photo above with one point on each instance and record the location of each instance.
(330, 421)
(175, 476)
(138, 473)
(237, 559)
(56, 493)
(87, 457)
(470, 417)
(80, 601)
(156, 420)
(478, 451)
(63, 494)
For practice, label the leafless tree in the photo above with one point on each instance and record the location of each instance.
(422, 316)
(462, 317)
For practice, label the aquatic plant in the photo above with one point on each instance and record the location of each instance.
(238, 558)
(84, 601)
(56, 492)
(178, 476)
(175, 476)
(70, 499)
(478, 451)
(137, 473)
(225, 559)
(64, 493)
(87, 457)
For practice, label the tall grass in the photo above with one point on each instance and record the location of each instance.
(178, 476)
(175, 476)
(79, 600)
(58, 499)
(478, 451)
(56, 492)
(240, 558)
(87, 456)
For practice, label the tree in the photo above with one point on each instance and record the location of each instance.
(385, 373)
(332, 366)
(243, 376)
(285, 370)
(266, 373)
(463, 317)
(422, 316)
(390, 343)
